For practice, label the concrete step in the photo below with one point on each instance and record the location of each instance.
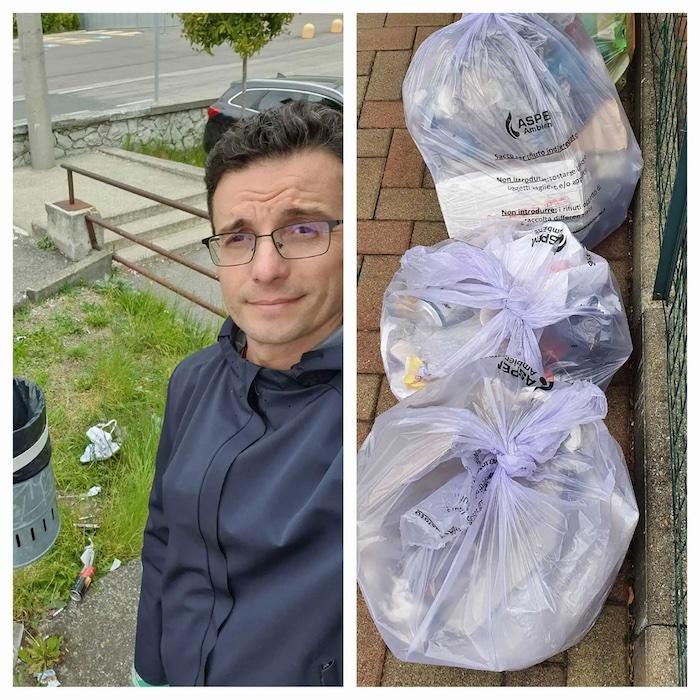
(154, 227)
(175, 241)
(198, 200)
(32, 188)
(149, 218)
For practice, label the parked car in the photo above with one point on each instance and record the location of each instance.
(264, 94)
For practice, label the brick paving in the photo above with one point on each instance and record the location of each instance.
(397, 209)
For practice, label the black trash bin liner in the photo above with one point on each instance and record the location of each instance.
(35, 512)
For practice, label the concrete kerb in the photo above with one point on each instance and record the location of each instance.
(654, 655)
(95, 267)
(169, 166)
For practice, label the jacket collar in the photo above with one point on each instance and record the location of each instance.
(326, 358)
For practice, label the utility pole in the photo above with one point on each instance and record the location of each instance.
(31, 50)
(156, 57)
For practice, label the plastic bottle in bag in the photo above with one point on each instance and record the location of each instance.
(518, 124)
(494, 513)
(538, 295)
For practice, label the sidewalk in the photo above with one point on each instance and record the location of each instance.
(398, 209)
(98, 633)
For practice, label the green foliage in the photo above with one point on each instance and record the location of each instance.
(59, 22)
(52, 22)
(196, 155)
(247, 33)
(42, 653)
(45, 243)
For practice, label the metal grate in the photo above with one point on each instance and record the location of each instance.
(667, 33)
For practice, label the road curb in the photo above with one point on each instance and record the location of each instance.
(192, 171)
(654, 652)
(96, 266)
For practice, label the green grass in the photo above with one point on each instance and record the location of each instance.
(46, 243)
(98, 352)
(161, 149)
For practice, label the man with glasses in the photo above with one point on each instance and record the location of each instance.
(242, 554)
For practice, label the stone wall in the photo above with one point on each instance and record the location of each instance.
(181, 125)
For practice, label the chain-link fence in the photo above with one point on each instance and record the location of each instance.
(668, 43)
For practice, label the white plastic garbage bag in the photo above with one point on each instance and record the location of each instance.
(494, 513)
(103, 443)
(537, 295)
(517, 123)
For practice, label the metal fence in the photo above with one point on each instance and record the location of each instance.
(667, 33)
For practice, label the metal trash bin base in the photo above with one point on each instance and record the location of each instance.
(35, 517)
(36, 521)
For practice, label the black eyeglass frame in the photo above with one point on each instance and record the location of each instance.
(332, 224)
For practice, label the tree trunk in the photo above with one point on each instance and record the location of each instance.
(244, 101)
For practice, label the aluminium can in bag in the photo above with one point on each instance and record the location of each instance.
(494, 513)
(35, 512)
(538, 295)
(518, 123)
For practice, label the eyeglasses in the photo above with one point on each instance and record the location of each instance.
(303, 240)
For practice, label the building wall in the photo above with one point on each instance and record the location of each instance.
(126, 20)
(181, 126)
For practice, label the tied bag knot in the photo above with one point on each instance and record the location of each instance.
(516, 463)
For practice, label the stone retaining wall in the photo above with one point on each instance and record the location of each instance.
(181, 125)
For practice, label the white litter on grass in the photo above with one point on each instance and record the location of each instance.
(115, 565)
(48, 678)
(93, 491)
(102, 446)
(88, 555)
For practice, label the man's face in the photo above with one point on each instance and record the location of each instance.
(279, 302)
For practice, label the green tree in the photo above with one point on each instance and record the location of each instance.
(246, 33)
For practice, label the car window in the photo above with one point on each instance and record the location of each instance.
(252, 98)
(274, 98)
(322, 99)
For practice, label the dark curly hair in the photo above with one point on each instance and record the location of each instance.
(273, 133)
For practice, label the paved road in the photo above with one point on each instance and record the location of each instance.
(103, 70)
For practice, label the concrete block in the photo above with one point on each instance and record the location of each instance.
(388, 72)
(363, 428)
(369, 177)
(369, 359)
(373, 143)
(371, 19)
(96, 266)
(382, 115)
(370, 647)
(655, 657)
(542, 675)
(653, 543)
(383, 237)
(66, 227)
(367, 392)
(428, 233)
(398, 673)
(377, 273)
(600, 659)
(386, 399)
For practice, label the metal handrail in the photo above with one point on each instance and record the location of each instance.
(90, 222)
(173, 287)
(152, 246)
(129, 188)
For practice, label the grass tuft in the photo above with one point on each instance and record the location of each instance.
(195, 155)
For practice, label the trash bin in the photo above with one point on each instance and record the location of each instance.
(35, 512)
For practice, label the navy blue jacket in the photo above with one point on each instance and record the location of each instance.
(242, 553)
